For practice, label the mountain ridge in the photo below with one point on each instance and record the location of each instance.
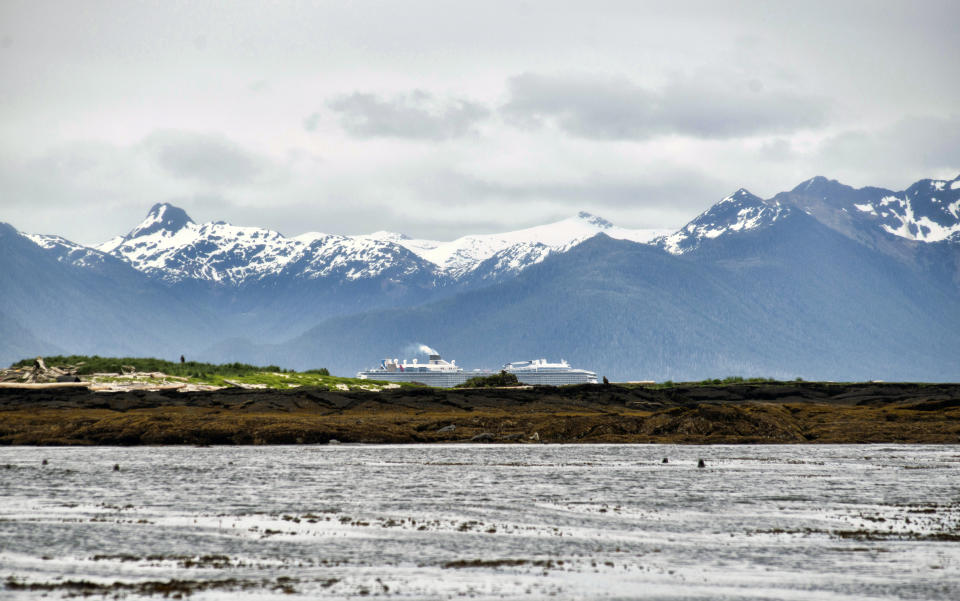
(650, 314)
(811, 267)
(168, 245)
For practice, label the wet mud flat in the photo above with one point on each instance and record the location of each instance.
(741, 413)
(819, 522)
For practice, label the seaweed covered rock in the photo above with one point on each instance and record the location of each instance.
(715, 423)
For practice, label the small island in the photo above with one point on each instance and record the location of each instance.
(151, 402)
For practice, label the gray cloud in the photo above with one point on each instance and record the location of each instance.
(256, 87)
(311, 121)
(90, 191)
(755, 75)
(617, 109)
(75, 173)
(417, 115)
(779, 149)
(683, 190)
(208, 158)
(666, 197)
(913, 145)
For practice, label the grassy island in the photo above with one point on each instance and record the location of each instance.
(284, 407)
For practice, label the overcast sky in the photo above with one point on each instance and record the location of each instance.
(438, 119)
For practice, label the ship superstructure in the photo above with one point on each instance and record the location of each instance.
(543, 373)
(436, 372)
(440, 373)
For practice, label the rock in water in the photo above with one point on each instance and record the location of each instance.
(665, 460)
(700, 463)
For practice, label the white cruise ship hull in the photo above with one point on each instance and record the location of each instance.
(540, 372)
(557, 378)
(435, 379)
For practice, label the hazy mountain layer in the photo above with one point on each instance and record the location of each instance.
(795, 300)
(820, 281)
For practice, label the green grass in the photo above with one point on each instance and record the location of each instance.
(270, 376)
(97, 364)
(721, 382)
(290, 379)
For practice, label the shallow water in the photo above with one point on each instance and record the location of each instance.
(438, 522)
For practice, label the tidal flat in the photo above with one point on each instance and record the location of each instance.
(807, 412)
(444, 521)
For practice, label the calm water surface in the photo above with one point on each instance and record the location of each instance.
(485, 522)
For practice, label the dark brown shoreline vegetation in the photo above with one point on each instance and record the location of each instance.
(750, 413)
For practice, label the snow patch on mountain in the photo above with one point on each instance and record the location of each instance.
(351, 258)
(928, 211)
(459, 257)
(739, 212)
(511, 261)
(66, 251)
(418, 246)
(52, 242)
(954, 209)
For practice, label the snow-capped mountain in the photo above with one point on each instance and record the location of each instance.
(170, 246)
(516, 249)
(927, 211)
(739, 212)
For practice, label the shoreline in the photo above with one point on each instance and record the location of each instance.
(783, 413)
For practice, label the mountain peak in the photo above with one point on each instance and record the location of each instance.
(817, 185)
(739, 212)
(162, 216)
(594, 220)
(742, 195)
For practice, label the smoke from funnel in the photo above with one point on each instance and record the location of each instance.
(421, 349)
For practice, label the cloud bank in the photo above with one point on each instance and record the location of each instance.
(616, 108)
(414, 115)
(439, 120)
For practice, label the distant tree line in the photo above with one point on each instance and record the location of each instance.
(493, 381)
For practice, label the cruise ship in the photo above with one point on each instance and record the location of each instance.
(540, 372)
(436, 372)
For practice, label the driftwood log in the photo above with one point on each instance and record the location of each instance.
(39, 373)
